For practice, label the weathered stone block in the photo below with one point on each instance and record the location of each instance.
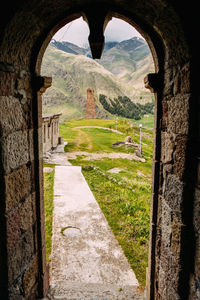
(165, 109)
(197, 212)
(167, 147)
(35, 236)
(166, 290)
(176, 237)
(6, 83)
(185, 86)
(173, 193)
(180, 155)
(12, 223)
(23, 81)
(26, 214)
(15, 150)
(30, 276)
(18, 186)
(11, 116)
(31, 144)
(197, 258)
(178, 115)
(198, 173)
(166, 223)
(16, 291)
(167, 169)
(177, 83)
(194, 287)
(34, 207)
(168, 81)
(170, 267)
(20, 255)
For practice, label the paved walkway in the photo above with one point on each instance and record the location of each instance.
(86, 258)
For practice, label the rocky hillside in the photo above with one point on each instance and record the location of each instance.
(130, 61)
(73, 71)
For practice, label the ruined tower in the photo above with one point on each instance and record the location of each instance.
(90, 111)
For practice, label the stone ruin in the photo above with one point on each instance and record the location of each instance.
(90, 111)
(50, 132)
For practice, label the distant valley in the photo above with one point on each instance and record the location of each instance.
(120, 72)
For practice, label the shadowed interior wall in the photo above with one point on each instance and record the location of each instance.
(169, 28)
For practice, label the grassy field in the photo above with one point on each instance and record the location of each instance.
(146, 121)
(101, 140)
(124, 197)
(48, 207)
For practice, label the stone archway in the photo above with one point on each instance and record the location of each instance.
(173, 268)
(152, 81)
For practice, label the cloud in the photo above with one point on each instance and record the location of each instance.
(77, 32)
(119, 30)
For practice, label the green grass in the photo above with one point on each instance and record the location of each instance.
(100, 140)
(48, 208)
(146, 121)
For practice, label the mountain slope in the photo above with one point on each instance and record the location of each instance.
(68, 47)
(73, 73)
(129, 60)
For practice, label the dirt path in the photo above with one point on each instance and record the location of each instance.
(98, 156)
(113, 130)
(83, 136)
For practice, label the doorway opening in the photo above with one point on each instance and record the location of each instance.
(114, 147)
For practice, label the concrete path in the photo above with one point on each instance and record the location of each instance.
(84, 249)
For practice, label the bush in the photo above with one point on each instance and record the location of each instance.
(123, 106)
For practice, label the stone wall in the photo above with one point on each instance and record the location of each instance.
(172, 225)
(20, 259)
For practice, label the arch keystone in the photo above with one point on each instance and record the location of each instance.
(97, 18)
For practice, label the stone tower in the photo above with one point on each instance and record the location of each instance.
(90, 111)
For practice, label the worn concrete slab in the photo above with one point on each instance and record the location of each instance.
(58, 159)
(84, 248)
(95, 291)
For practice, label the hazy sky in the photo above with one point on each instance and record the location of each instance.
(77, 32)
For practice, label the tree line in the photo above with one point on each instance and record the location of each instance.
(123, 106)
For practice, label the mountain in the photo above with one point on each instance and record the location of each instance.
(129, 60)
(68, 47)
(73, 71)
